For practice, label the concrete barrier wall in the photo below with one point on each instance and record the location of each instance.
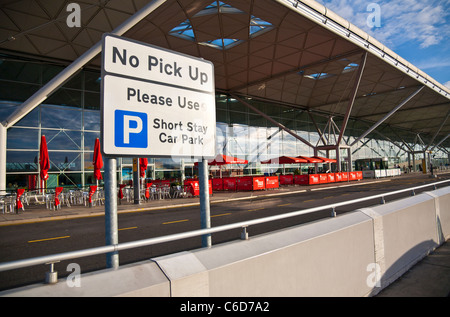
(355, 254)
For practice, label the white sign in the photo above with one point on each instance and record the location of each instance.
(156, 102)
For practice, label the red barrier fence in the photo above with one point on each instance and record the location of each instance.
(247, 183)
(314, 179)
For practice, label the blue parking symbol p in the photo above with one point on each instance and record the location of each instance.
(130, 129)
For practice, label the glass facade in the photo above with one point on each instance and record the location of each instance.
(70, 121)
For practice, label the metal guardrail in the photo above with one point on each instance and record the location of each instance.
(50, 259)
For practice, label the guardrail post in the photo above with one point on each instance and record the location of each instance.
(333, 212)
(244, 233)
(52, 276)
(382, 201)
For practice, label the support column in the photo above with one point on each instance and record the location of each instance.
(359, 74)
(409, 161)
(316, 153)
(404, 102)
(3, 134)
(349, 158)
(338, 159)
(136, 181)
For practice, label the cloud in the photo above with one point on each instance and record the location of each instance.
(402, 21)
(447, 84)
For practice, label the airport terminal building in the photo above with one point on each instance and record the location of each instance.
(291, 77)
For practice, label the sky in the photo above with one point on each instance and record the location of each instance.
(417, 30)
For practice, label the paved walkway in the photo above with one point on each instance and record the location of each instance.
(429, 278)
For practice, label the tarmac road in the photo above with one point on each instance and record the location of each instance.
(50, 237)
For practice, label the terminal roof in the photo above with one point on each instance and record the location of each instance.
(296, 53)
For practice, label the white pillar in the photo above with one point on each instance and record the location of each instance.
(3, 133)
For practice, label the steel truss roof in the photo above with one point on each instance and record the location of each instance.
(306, 57)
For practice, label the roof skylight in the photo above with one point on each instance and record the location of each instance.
(350, 67)
(318, 76)
(185, 29)
(218, 7)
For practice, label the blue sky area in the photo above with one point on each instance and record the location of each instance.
(417, 30)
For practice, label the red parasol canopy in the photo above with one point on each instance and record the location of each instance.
(311, 159)
(285, 160)
(98, 160)
(222, 159)
(44, 161)
(120, 194)
(20, 192)
(143, 166)
(58, 190)
(92, 190)
(325, 159)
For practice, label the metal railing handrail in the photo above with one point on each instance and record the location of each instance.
(184, 235)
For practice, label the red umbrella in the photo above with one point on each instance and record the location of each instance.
(285, 160)
(44, 161)
(98, 160)
(92, 190)
(325, 159)
(19, 204)
(58, 190)
(311, 159)
(143, 166)
(120, 194)
(222, 159)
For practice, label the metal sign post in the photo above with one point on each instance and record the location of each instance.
(111, 223)
(156, 103)
(204, 201)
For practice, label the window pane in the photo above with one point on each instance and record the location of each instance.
(89, 140)
(62, 139)
(92, 100)
(16, 91)
(22, 138)
(92, 120)
(21, 161)
(92, 81)
(65, 97)
(60, 117)
(65, 161)
(20, 71)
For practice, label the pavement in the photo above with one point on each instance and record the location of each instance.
(428, 278)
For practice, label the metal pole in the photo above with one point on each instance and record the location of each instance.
(359, 74)
(204, 202)
(136, 181)
(111, 223)
(404, 102)
(3, 138)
